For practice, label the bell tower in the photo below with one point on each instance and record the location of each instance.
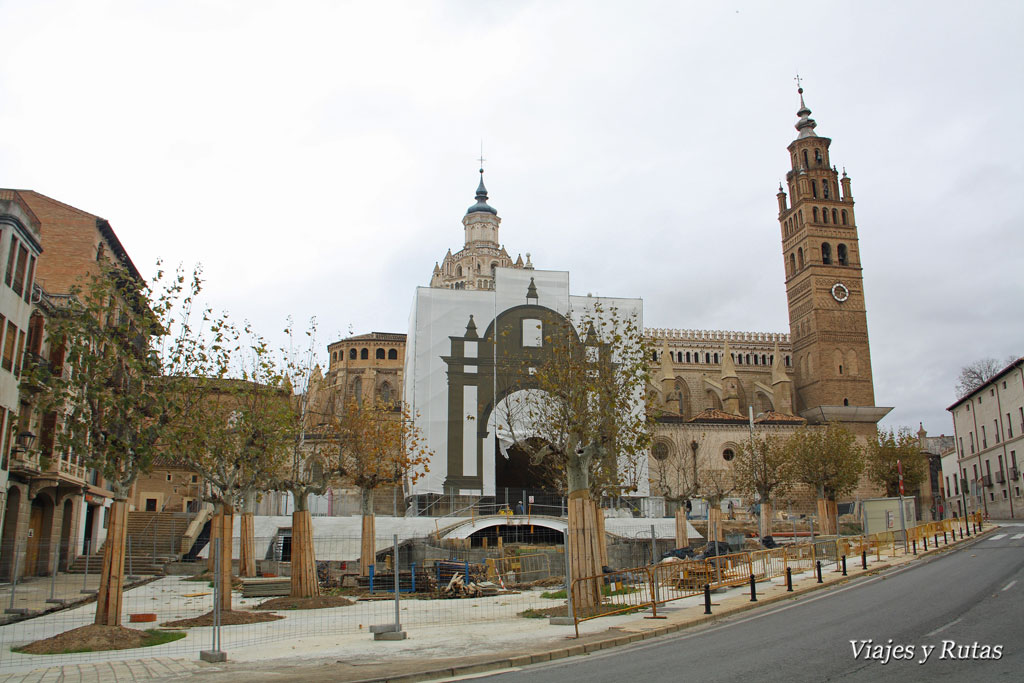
(824, 284)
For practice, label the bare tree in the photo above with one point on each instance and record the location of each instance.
(763, 467)
(977, 373)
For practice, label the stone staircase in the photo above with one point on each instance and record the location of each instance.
(155, 539)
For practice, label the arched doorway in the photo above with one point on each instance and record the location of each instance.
(40, 524)
(66, 537)
(10, 539)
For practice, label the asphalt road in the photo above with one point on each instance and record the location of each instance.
(974, 594)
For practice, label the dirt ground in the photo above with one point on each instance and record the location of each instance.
(318, 602)
(232, 618)
(91, 637)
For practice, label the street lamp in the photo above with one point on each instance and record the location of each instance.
(23, 442)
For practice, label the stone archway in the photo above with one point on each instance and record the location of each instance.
(12, 517)
(483, 371)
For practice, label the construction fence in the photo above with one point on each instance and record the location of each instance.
(645, 588)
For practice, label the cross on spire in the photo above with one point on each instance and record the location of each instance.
(798, 86)
(481, 159)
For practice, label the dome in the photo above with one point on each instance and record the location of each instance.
(481, 199)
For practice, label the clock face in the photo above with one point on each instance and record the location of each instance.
(840, 292)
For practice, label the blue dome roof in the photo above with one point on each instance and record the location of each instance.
(481, 199)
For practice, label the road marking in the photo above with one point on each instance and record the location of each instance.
(943, 628)
(997, 537)
(1010, 585)
(481, 674)
(1017, 537)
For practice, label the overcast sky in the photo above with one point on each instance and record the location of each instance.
(317, 157)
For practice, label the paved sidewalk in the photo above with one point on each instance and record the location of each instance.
(441, 652)
(155, 668)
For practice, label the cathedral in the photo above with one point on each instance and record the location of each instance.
(713, 388)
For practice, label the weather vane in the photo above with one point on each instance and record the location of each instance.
(798, 86)
(481, 159)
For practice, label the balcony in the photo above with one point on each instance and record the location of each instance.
(1014, 474)
(1000, 477)
(986, 480)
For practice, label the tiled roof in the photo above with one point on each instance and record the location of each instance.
(715, 415)
(774, 418)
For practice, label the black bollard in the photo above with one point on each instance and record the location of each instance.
(753, 590)
(925, 539)
(844, 565)
(707, 598)
(789, 579)
(913, 544)
(945, 539)
(936, 540)
(819, 572)
(864, 559)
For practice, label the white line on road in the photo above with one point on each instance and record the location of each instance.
(1010, 585)
(1017, 537)
(943, 628)
(482, 674)
(997, 537)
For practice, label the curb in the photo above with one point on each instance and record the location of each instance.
(620, 640)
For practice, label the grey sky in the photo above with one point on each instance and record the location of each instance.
(317, 158)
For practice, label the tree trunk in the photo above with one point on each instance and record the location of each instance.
(765, 527)
(368, 539)
(108, 599)
(826, 516)
(227, 520)
(247, 540)
(715, 523)
(304, 579)
(215, 524)
(682, 531)
(584, 550)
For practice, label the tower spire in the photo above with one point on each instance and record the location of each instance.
(805, 126)
(481, 197)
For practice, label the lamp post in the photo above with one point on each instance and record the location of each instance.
(24, 441)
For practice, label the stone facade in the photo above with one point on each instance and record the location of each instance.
(988, 426)
(55, 505)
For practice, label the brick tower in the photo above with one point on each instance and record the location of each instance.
(824, 285)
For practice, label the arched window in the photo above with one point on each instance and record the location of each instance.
(824, 188)
(748, 359)
(834, 215)
(844, 216)
(789, 361)
(826, 253)
(380, 354)
(800, 257)
(814, 191)
(755, 359)
(385, 393)
(841, 254)
(364, 354)
(357, 390)
(807, 164)
(716, 358)
(707, 357)
(392, 354)
(815, 214)
(792, 264)
(659, 451)
(737, 359)
(763, 357)
(817, 156)
(846, 401)
(800, 217)
(687, 356)
(352, 354)
(840, 369)
(494, 267)
(824, 216)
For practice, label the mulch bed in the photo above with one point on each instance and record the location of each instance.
(318, 602)
(86, 638)
(232, 618)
